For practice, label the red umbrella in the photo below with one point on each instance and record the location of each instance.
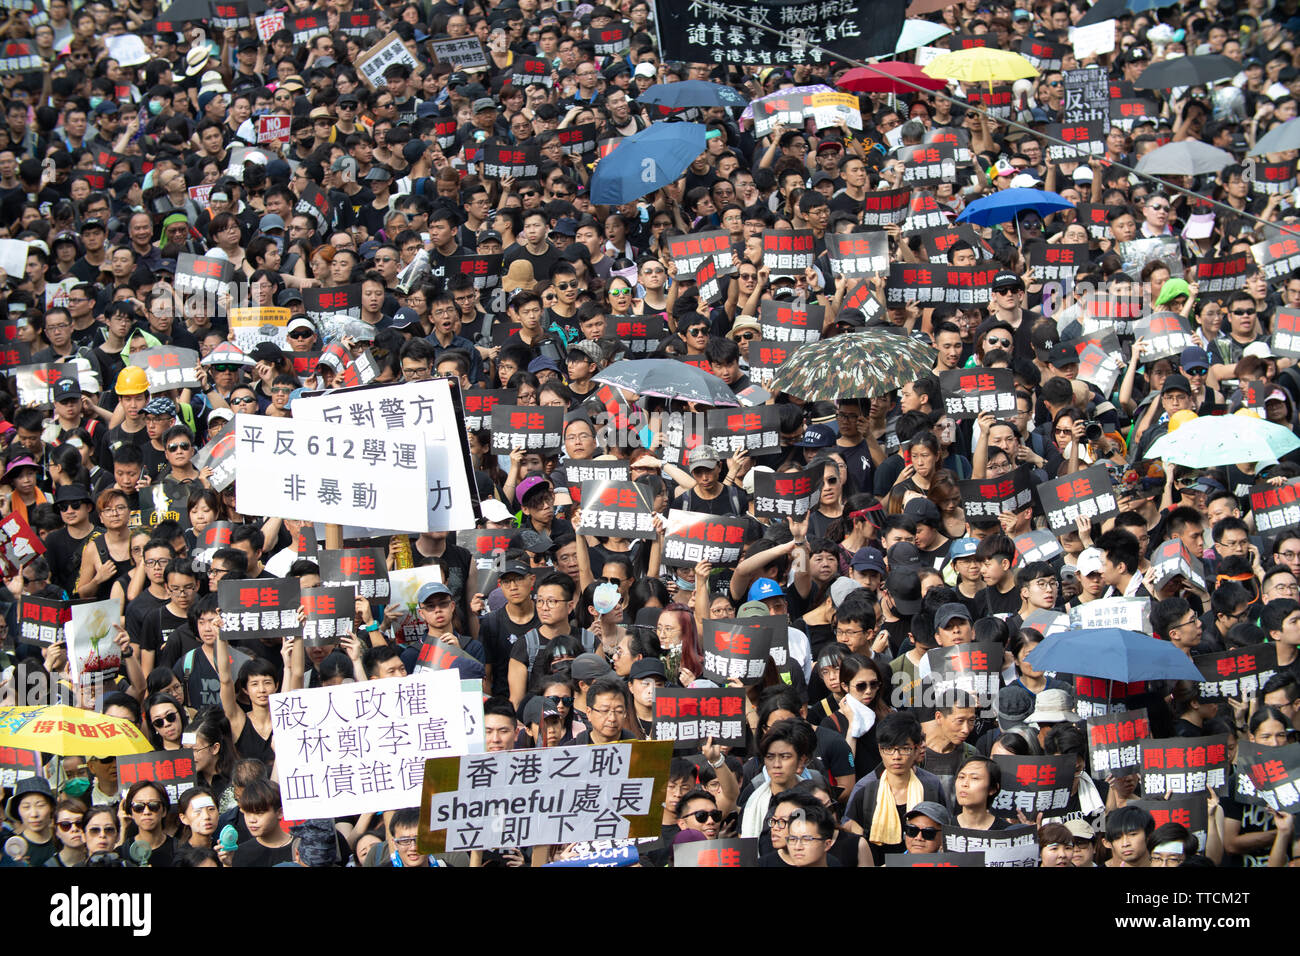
(891, 76)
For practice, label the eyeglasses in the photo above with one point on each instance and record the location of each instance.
(616, 712)
(183, 589)
(804, 840)
(151, 806)
(156, 562)
(404, 841)
(565, 286)
(925, 833)
(566, 700)
(179, 446)
(700, 816)
(164, 720)
(433, 604)
(547, 602)
(999, 343)
(896, 751)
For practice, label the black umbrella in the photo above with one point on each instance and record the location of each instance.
(1187, 71)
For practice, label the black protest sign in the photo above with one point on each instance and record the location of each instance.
(208, 542)
(1085, 96)
(990, 497)
(1096, 219)
(953, 136)
(787, 494)
(1276, 507)
(616, 509)
(304, 28)
(332, 305)
(1238, 674)
(1171, 559)
(641, 334)
(219, 455)
(13, 351)
(362, 370)
(21, 57)
(1094, 696)
(733, 651)
(1126, 111)
(484, 269)
(886, 207)
(533, 428)
(693, 537)
(1220, 276)
(970, 41)
(690, 717)
(1277, 257)
(444, 131)
(490, 541)
(1084, 494)
(41, 620)
(968, 392)
(1037, 546)
(938, 242)
(1014, 846)
(229, 14)
(579, 141)
(735, 853)
(167, 367)
(860, 295)
(796, 322)
(1286, 333)
(499, 161)
(692, 251)
(202, 275)
(1114, 742)
(858, 254)
(173, 770)
(18, 764)
(358, 23)
(260, 608)
(572, 475)
(460, 53)
(479, 402)
(756, 429)
(708, 283)
(530, 72)
(1167, 334)
(765, 358)
(1273, 178)
(1183, 765)
(934, 284)
(1098, 367)
(1056, 261)
(1033, 785)
(974, 669)
(1274, 773)
(788, 252)
(928, 164)
(925, 861)
(35, 383)
(329, 614)
(998, 101)
(438, 655)
(924, 213)
(361, 568)
(1043, 53)
(1081, 141)
(613, 39)
(802, 31)
(1190, 812)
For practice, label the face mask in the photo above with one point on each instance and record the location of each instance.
(77, 787)
(155, 107)
(95, 101)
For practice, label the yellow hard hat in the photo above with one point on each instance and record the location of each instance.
(1179, 419)
(131, 381)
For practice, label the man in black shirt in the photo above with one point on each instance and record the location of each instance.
(498, 630)
(64, 546)
(182, 589)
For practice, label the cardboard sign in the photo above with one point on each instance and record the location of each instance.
(529, 72)
(886, 207)
(1190, 812)
(268, 25)
(501, 161)
(1277, 257)
(1273, 178)
(828, 109)
(167, 367)
(928, 164)
(1127, 613)
(967, 392)
(387, 52)
(93, 656)
(19, 544)
(731, 854)
(173, 770)
(639, 333)
(613, 39)
(1056, 261)
(1220, 277)
(1083, 140)
(219, 455)
(1114, 741)
(362, 569)
(548, 795)
(788, 252)
(485, 270)
(859, 254)
(970, 668)
(1084, 494)
(1085, 95)
(925, 861)
(689, 717)
(21, 57)
(572, 475)
(1184, 765)
(734, 651)
(923, 214)
(787, 494)
(535, 428)
(1172, 559)
(755, 429)
(616, 509)
(1014, 846)
(330, 613)
(708, 283)
(999, 101)
(990, 497)
(208, 542)
(765, 357)
(795, 322)
(305, 28)
(932, 284)
(693, 537)
(1238, 674)
(1095, 696)
(35, 383)
(355, 748)
(1275, 775)
(1095, 39)
(250, 327)
(1276, 508)
(41, 620)
(1043, 53)
(1033, 785)
(460, 53)
(262, 608)
(1167, 334)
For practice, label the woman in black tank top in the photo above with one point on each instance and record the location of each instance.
(107, 555)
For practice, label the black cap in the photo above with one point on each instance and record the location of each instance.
(904, 587)
(924, 511)
(1176, 383)
(73, 493)
(1060, 355)
(1007, 279)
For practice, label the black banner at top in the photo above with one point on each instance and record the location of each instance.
(699, 31)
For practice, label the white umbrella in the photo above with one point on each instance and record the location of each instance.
(1188, 157)
(917, 33)
(1277, 140)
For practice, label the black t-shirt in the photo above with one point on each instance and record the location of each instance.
(542, 264)
(157, 627)
(140, 609)
(991, 601)
(63, 552)
(253, 853)
(498, 635)
(733, 501)
(114, 439)
(1252, 819)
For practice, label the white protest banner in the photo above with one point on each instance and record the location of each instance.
(550, 795)
(471, 707)
(128, 49)
(433, 410)
(354, 748)
(372, 64)
(13, 257)
(1093, 40)
(269, 24)
(316, 471)
(1129, 613)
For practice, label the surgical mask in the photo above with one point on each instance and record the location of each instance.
(155, 107)
(77, 787)
(684, 585)
(95, 101)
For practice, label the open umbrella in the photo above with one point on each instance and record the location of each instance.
(1187, 157)
(917, 33)
(689, 93)
(668, 378)
(1279, 139)
(1113, 9)
(858, 365)
(889, 77)
(1006, 204)
(1211, 441)
(1114, 654)
(59, 729)
(645, 161)
(1187, 71)
(981, 65)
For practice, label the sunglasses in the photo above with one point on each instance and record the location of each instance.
(163, 721)
(66, 825)
(620, 292)
(225, 368)
(746, 337)
(863, 685)
(1243, 311)
(925, 833)
(702, 330)
(699, 816)
(100, 831)
(565, 286)
(567, 701)
(617, 582)
(72, 505)
(152, 806)
(179, 446)
(243, 401)
(527, 192)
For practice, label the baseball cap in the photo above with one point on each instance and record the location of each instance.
(1060, 356)
(647, 667)
(1025, 181)
(950, 612)
(537, 709)
(816, 436)
(266, 352)
(494, 510)
(702, 457)
(962, 548)
(1089, 561)
(270, 221)
(404, 318)
(431, 589)
(764, 588)
(484, 103)
(904, 553)
(1176, 383)
(589, 667)
(1014, 705)
(1194, 357)
(868, 558)
(543, 363)
(644, 69)
(528, 484)
(904, 587)
(1007, 279)
(283, 298)
(66, 389)
(935, 811)
(842, 588)
(160, 406)
(925, 511)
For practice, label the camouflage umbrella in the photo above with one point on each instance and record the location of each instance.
(857, 365)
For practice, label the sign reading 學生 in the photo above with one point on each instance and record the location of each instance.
(796, 322)
(787, 494)
(1033, 785)
(1085, 494)
(533, 428)
(265, 608)
(968, 392)
(754, 430)
(1237, 674)
(616, 509)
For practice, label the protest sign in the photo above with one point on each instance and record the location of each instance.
(1094, 696)
(485, 270)
(1237, 674)
(954, 136)
(362, 370)
(548, 795)
(1286, 333)
(1043, 53)
(689, 717)
(1081, 141)
(203, 275)
(787, 494)
(1113, 742)
(13, 351)
(937, 243)
(864, 254)
(41, 620)
(219, 455)
(93, 655)
(1014, 846)
(788, 252)
(1095, 218)
(765, 357)
(329, 614)
(385, 53)
(1277, 257)
(969, 391)
(268, 25)
(1037, 546)
(21, 57)
(35, 383)
(305, 28)
(796, 322)
(934, 284)
(1127, 613)
(708, 284)
(886, 207)
(19, 544)
(732, 854)
(616, 509)
(1084, 494)
(572, 475)
(990, 497)
(438, 655)
(1095, 39)
(1056, 261)
(527, 71)
(356, 23)
(535, 428)
(733, 650)
(500, 161)
(693, 537)
(1046, 622)
(924, 214)
(1273, 178)
(579, 141)
(1190, 811)
(251, 326)
(828, 109)
(925, 861)
(1274, 773)
(1085, 95)
(968, 668)
(403, 586)
(479, 402)
(1128, 110)
(364, 569)
(1276, 507)
(1097, 366)
(1171, 559)
(167, 367)
(1167, 334)
(128, 48)
(17, 764)
(1184, 765)
(997, 98)
(1033, 785)
(600, 853)
(460, 53)
(928, 164)
(358, 748)
(264, 608)
(1220, 276)
(273, 128)
(640, 334)
(172, 770)
(330, 307)
(756, 429)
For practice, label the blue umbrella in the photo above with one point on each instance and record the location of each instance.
(1005, 205)
(1110, 9)
(1114, 654)
(688, 93)
(646, 161)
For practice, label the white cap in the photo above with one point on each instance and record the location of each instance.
(747, 483)
(494, 510)
(220, 414)
(1258, 349)
(1082, 173)
(644, 69)
(1025, 181)
(1089, 561)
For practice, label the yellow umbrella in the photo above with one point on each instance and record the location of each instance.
(980, 64)
(64, 730)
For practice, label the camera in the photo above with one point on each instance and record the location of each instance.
(1092, 431)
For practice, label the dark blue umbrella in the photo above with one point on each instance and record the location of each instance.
(1006, 204)
(1112, 9)
(1114, 654)
(646, 161)
(688, 93)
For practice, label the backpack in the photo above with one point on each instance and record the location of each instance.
(533, 640)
